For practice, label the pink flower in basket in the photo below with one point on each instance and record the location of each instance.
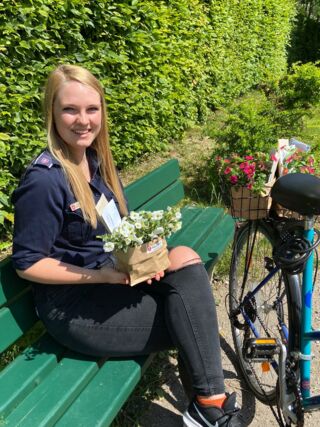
(300, 161)
(251, 172)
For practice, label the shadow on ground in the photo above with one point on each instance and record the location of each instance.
(167, 411)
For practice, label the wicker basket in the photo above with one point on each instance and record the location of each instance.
(285, 213)
(282, 212)
(248, 205)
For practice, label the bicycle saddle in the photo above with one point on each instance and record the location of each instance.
(298, 192)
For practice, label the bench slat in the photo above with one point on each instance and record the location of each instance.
(27, 371)
(10, 283)
(217, 240)
(145, 188)
(45, 405)
(169, 197)
(115, 382)
(16, 320)
(208, 231)
(196, 231)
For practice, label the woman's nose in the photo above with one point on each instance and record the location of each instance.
(83, 118)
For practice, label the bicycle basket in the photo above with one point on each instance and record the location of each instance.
(248, 205)
(285, 213)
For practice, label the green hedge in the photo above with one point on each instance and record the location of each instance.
(305, 46)
(163, 65)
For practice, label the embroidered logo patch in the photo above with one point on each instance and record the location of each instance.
(74, 206)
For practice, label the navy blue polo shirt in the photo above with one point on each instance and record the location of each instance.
(48, 222)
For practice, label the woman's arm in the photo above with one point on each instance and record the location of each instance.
(51, 271)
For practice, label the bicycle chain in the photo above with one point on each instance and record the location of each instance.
(298, 398)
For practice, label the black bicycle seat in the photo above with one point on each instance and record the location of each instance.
(298, 192)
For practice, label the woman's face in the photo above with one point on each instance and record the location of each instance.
(77, 115)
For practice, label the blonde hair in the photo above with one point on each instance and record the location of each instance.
(61, 152)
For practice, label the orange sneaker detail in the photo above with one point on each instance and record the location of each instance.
(211, 401)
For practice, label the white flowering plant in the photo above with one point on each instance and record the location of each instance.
(142, 227)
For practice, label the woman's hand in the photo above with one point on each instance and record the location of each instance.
(109, 275)
(157, 277)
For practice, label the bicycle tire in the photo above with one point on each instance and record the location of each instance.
(278, 301)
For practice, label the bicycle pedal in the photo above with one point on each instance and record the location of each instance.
(260, 349)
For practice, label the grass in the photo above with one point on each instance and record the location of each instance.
(311, 132)
(193, 153)
(15, 349)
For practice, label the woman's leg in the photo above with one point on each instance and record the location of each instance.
(104, 320)
(181, 256)
(118, 320)
(192, 322)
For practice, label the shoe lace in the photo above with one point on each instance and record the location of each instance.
(229, 415)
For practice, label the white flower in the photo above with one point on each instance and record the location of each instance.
(126, 229)
(158, 230)
(135, 215)
(108, 247)
(124, 232)
(177, 227)
(139, 241)
(141, 227)
(157, 215)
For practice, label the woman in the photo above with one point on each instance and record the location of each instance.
(85, 303)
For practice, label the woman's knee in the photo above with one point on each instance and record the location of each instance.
(181, 256)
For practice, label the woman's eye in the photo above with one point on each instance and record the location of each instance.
(70, 109)
(93, 109)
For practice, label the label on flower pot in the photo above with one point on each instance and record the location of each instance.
(143, 262)
(151, 247)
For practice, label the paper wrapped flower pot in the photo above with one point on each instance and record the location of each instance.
(143, 262)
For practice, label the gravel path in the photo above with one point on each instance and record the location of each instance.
(166, 412)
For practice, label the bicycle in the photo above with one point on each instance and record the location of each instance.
(271, 282)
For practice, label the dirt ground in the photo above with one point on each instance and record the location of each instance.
(167, 411)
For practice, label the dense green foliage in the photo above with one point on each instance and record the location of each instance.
(305, 45)
(300, 87)
(254, 122)
(163, 65)
(257, 120)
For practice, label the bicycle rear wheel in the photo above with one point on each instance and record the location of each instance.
(267, 309)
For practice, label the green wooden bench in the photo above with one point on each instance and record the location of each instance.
(47, 385)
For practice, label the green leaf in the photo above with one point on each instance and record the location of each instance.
(4, 136)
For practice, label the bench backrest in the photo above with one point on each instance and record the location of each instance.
(156, 190)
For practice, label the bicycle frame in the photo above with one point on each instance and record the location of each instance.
(307, 333)
(252, 294)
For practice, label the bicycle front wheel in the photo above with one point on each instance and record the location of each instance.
(267, 310)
